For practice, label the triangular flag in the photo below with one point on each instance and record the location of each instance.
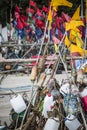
(73, 24)
(78, 38)
(76, 15)
(61, 3)
(75, 48)
(32, 3)
(67, 41)
(50, 15)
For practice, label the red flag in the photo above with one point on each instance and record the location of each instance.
(17, 15)
(45, 9)
(39, 12)
(66, 17)
(40, 24)
(19, 24)
(59, 21)
(29, 10)
(17, 9)
(32, 3)
(24, 20)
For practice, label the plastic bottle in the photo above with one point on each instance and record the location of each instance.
(48, 100)
(18, 104)
(52, 124)
(72, 122)
(65, 89)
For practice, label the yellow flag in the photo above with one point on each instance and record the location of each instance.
(72, 37)
(75, 48)
(56, 48)
(67, 41)
(61, 3)
(73, 24)
(76, 15)
(50, 15)
(78, 38)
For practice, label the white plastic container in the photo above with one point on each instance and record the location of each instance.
(48, 101)
(18, 104)
(72, 122)
(65, 89)
(52, 124)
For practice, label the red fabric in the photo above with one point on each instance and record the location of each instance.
(39, 12)
(17, 9)
(40, 24)
(29, 10)
(32, 3)
(19, 24)
(59, 21)
(17, 15)
(54, 14)
(66, 17)
(24, 18)
(45, 9)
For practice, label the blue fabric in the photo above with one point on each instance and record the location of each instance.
(38, 33)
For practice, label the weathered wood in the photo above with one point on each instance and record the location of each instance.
(52, 58)
(13, 44)
(75, 57)
(24, 60)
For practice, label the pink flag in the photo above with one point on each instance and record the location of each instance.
(55, 40)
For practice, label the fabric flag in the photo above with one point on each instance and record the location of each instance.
(54, 14)
(66, 17)
(76, 15)
(55, 40)
(29, 10)
(55, 8)
(17, 15)
(50, 15)
(17, 9)
(79, 40)
(73, 24)
(67, 41)
(45, 9)
(61, 3)
(19, 24)
(75, 48)
(56, 48)
(59, 21)
(39, 12)
(32, 3)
